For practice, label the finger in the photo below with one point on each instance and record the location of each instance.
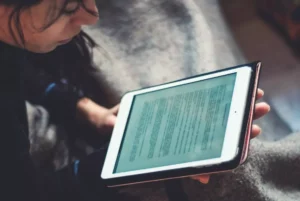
(204, 179)
(260, 93)
(115, 109)
(110, 120)
(261, 109)
(256, 130)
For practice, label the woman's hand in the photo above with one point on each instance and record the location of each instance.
(261, 109)
(98, 117)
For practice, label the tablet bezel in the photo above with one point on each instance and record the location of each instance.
(232, 136)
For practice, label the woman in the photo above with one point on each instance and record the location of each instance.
(47, 27)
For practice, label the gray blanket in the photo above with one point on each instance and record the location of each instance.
(148, 42)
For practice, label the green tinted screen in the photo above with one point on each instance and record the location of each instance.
(177, 125)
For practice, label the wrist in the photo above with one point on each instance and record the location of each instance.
(81, 109)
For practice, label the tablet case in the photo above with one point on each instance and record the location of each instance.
(243, 144)
(256, 73)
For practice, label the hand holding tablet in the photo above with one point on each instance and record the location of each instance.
(190, 127)
(261, 109)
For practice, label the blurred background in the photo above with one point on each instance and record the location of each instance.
(269, 30)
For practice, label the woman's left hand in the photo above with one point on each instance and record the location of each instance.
(261, 109)
(98, 117)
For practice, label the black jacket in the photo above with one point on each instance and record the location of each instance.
(20, 179)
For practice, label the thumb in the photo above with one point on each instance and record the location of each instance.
(110, 120)
(204, 179)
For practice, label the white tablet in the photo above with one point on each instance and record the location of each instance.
(191, 123)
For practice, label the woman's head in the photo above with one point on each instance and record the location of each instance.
(42, 25)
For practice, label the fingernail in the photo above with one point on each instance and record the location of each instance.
(260, 131)
(261, 91)
(269, 107)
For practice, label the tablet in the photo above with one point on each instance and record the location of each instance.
(169, 129)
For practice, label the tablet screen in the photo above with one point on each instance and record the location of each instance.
(176, 125)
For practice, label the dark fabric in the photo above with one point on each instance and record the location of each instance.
(20, 179)
(175, 191)
(59, 97)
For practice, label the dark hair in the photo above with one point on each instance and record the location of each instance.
(71, 61)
